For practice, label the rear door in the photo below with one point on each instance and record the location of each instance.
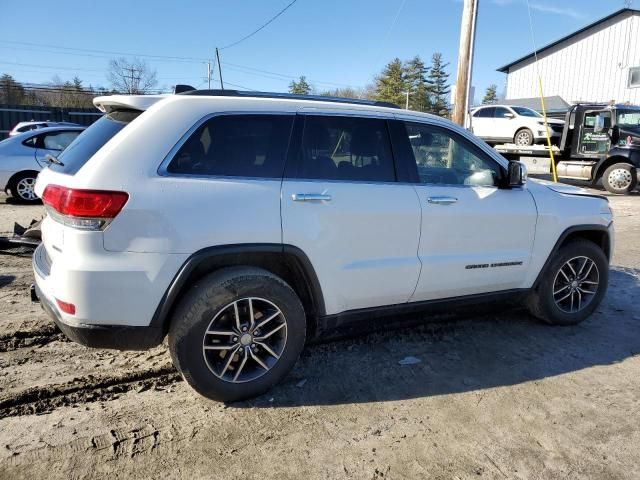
(342, 204)
(476, 237)
(482, 122)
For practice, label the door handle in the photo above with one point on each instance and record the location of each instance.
(311, 197)
(442, 200)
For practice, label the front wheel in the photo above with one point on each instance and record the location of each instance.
(620, 178)
(572, 285)
(237, 333)
(523, 137)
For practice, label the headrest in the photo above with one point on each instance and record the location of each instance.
(365, 142)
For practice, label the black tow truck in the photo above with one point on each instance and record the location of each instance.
(598, 142)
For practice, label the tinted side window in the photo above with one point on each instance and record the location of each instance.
(501, 112)
(346, 148)
(443, 157)
(485, 112)
(58, 140)
(236, 145)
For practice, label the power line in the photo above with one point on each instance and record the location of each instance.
(52, 67)
(263, 26)
(278, 76)
(108, 52)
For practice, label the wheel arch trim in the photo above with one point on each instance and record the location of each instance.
(600, 229)
(209, 259)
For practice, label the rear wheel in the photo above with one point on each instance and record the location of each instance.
(572, 285)
(237, 333)
(22, 187)
(523, 137)
(620, 178)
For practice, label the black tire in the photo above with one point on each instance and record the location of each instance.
(523, 137)
(18, 184)
(541, 302)
(207, 299)
(620, 178)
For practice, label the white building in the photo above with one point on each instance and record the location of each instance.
(598, 63)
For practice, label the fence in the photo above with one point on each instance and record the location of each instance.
(12, 114)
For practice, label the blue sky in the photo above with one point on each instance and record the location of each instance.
(331, 42)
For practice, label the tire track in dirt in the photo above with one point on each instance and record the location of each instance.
(31, 338)
(38, 400)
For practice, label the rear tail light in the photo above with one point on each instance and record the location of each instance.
(69, 308)
(83, 209)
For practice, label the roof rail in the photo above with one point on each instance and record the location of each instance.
(290, 96)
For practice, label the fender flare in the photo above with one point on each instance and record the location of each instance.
(209, 259)
(565, 234)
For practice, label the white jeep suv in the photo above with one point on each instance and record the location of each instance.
(240, 225)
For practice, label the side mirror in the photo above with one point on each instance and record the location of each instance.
(614, 134)
(516, 174)
(599, 124)
(509, 115)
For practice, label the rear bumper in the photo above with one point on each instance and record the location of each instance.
(120, 337)
(103, 336)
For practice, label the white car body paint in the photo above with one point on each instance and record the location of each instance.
(501, 129)
(372, 244)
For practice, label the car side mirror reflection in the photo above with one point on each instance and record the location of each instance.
(517, 174)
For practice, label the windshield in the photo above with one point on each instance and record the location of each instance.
(92, 140)
(526, 112)
(629, 118)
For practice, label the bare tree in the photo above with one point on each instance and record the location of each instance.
(131, 76)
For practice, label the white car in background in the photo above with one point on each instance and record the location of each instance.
(22, 127)
(23, 156)
(512, 124)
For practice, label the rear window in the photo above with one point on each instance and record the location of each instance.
(236, 146)
(92, 140)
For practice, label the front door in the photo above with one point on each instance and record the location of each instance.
(476, 237)
(595, 141)
(343, 206)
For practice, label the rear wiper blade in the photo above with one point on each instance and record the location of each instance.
(52, 159)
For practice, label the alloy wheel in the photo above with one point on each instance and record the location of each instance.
(576, 284)
(245, 340)
(25, 188)
(523, 138)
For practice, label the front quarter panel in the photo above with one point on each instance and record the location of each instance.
(558, 212)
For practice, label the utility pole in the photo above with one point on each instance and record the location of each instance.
(465, 61)
(406, 105)
(133, 78)
(219, 68)
(209, 73)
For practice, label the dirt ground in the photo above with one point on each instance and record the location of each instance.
(495, 395)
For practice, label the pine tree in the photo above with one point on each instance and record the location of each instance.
(390, 85)
(11, 92)
(490, 96)
(301, 87)
(438, 87)
(416, 80)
